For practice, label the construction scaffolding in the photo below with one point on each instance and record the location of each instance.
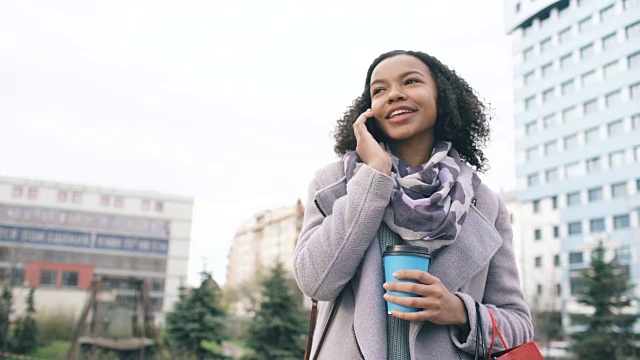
(127, 330)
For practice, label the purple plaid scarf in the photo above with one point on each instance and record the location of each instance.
(430, 202)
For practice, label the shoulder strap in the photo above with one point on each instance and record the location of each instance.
(312, 326)
(481, 350)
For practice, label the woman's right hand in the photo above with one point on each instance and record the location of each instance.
(371, 152)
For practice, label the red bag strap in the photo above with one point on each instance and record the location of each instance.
(494, 330)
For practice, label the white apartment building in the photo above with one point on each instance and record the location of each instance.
(58, 236)
(577, 101)
(260, 242)
(517, 221)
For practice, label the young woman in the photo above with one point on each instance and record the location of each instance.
(410, 147)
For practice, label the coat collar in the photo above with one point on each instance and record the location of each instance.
(471, 252)
(456, 264)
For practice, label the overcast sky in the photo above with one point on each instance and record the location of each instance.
(231, 102)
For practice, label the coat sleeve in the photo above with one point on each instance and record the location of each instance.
(502, 295)
(329, 249)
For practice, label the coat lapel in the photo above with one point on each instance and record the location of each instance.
(469, 254)
(457, 264)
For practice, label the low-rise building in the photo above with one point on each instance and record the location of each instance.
(57, 237)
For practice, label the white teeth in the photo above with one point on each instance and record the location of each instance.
(398, 112)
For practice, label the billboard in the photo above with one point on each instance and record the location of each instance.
(83, 220)
(83, 239)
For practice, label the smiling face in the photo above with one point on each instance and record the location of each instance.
(403, 99)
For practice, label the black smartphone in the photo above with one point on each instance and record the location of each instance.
(374, 129)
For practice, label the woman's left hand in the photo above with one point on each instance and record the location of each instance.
(438, 305)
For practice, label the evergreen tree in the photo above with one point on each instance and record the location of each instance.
(277, 330)
(608, 292)
(6, 301)
(177, 329)
(195, 327)
(26, 331)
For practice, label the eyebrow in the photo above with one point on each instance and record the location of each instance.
(410, 72)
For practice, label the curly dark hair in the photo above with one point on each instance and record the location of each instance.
(461, 118)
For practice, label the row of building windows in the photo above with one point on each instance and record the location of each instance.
(610, 99)
(591, 134)
(577, 281)
(576, 261)
(587, 137)
(50, 278)
(132, 301)
(606, 14)
(102, 261)
(619, 190)
(538, 261)
(114, 284)
(539, 290)
(579, 168)
(75, 197)
(69, 279)
(622, 255)
(596, 226)
(607, 42)
(543, 17)
(14, 275)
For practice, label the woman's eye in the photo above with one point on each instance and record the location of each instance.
(377, 91)
(411, 81)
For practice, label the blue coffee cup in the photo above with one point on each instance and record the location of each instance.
(404, 257)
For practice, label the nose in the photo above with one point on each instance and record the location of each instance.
(395, 94)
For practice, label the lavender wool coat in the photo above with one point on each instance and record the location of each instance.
(338, 252)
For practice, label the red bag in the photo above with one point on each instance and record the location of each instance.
(526, 351)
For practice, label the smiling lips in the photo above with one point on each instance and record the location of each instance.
(399, 111)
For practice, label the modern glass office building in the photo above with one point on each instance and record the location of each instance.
(577, 94)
